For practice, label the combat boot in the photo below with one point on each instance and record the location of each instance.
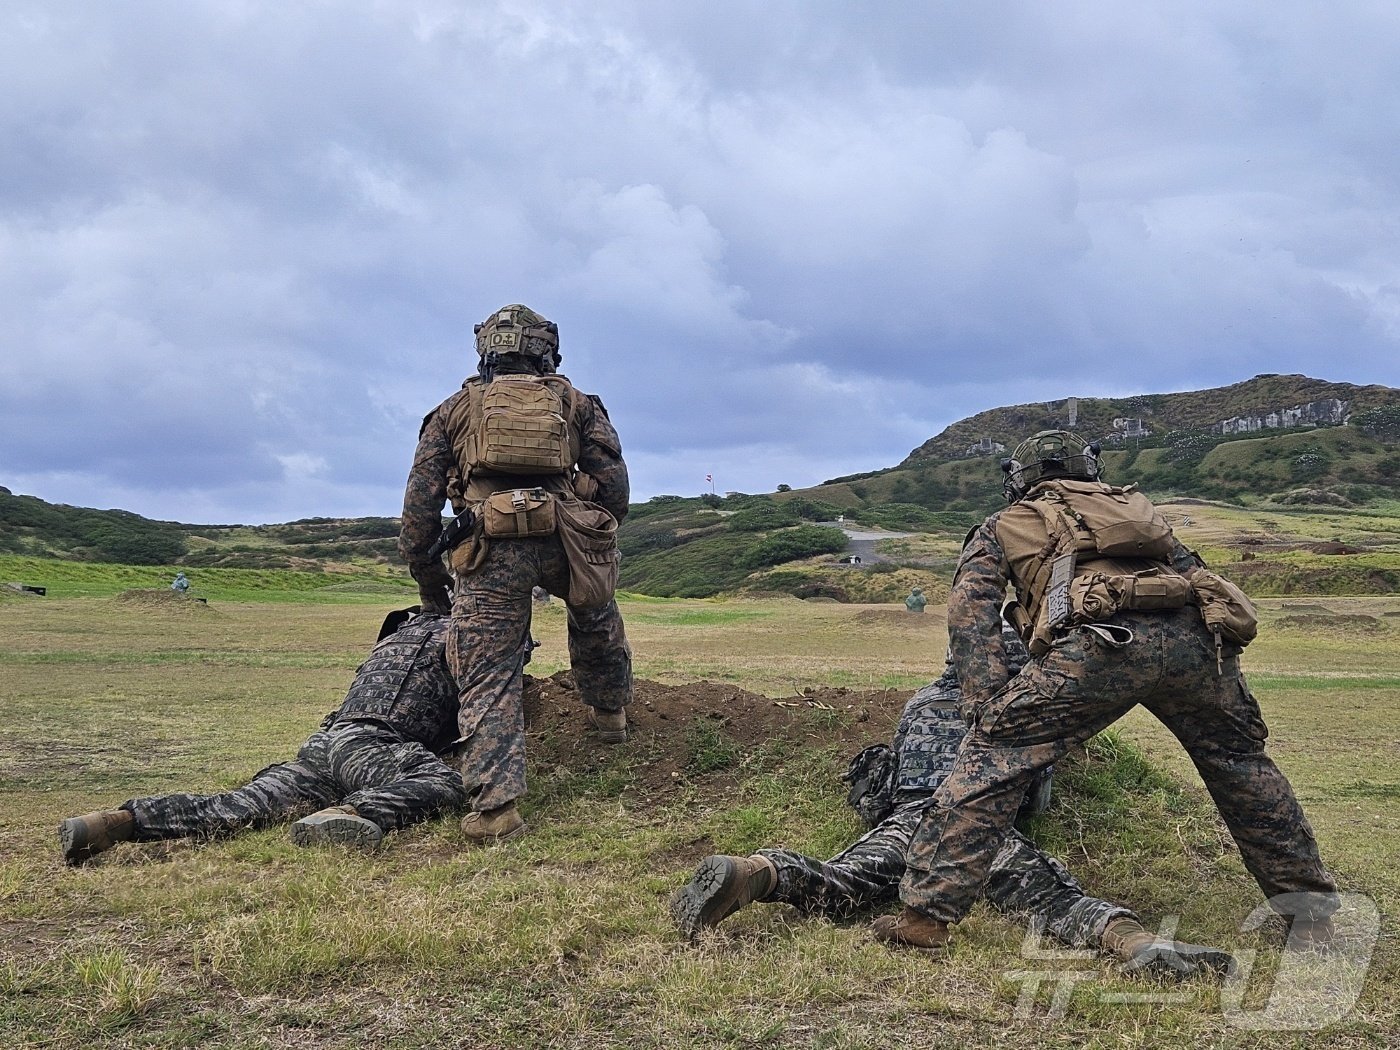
(912, 929)
(93, 833)
(721, 886)
(1311, 935)
(493, 825)
(1145, 952)
(611, 726)
(337, 825)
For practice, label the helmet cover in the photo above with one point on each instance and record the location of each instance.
(1049, 454)
(516, 329)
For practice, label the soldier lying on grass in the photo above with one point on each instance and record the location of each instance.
(891, 788)
(371, 768)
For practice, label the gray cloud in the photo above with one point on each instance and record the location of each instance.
(242, 245)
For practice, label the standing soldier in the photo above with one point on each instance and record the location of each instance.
(373, 762)
(1116, 613)
(534, 471)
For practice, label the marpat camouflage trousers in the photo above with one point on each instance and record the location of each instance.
(1024, 881)
(360, 764)
(490, 621)
(1078, 688)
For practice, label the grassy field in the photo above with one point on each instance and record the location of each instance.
(562, 939)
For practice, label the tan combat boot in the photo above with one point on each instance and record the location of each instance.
(721, 886)
(493, 825)
(1311, 935)
(912, 929)
(93, 833)
(1145, 952)
(611, 726)
(337, 825)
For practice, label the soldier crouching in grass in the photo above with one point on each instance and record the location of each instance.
(373, 764)
(891, 787)
(1116, 613)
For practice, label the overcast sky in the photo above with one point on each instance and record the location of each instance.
(243, 243)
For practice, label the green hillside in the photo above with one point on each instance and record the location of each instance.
(1297, 450)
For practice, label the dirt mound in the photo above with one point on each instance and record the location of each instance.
(900, 617)
(1332, 547)
(681, 735)
(1336, 622)
(162, 598)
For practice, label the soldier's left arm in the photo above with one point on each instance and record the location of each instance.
(600, 457)
(423, 500)
(974, 617)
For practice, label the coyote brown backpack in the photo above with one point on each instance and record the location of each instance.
(518, 424)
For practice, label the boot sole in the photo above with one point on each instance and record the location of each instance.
(890, 939)
(708, 898)
(72, 836)
(345, 831)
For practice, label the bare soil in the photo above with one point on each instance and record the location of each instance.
(665, 722)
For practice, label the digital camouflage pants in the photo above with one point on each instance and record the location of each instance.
(1023, 881)
(1079, 688)
(389, 781)
(491, 610)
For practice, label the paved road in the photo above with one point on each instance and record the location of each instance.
(862, 540)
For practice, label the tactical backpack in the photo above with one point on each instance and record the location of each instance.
(1107, 549)
(517, 424)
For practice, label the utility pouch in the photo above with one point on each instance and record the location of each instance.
(871, 776)
(1226, 609)
(514, 513)
(588, 534)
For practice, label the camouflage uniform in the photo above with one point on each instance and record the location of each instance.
(1022, 722)
(1023, 879)
(376, 752)
(491, 605)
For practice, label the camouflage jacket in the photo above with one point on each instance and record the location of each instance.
(974, 610)
(405, 684)
(600, 458)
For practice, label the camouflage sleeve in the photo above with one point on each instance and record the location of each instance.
(423, 500)
(974, 616)
(1183, 559)
(600, 457)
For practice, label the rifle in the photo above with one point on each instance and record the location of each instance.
(454, 533)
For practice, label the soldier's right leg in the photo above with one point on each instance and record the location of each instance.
(1072, 693)
(1218, 722)
(864, 874)
(486, 651)
(275, 793)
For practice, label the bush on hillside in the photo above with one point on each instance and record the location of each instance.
(805, 541)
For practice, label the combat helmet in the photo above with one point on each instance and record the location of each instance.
(1049, 454)
(516, 329)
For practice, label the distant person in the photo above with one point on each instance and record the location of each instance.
(180, 585)
(916, 601)
(539, 466)
(371, 768)
(891, 787)
(540, 595)
(1116, 613)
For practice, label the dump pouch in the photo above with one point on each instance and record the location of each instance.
(1226, 609)
(589, 536)
(514, 513)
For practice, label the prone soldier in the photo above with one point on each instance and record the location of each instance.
(371, 768)
(891, 789)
